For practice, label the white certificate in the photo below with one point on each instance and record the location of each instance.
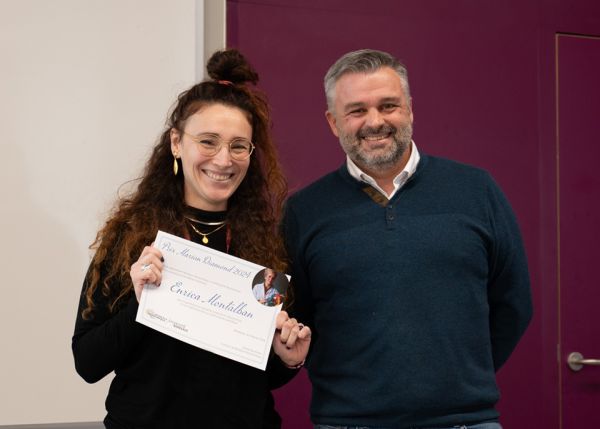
(214, 301)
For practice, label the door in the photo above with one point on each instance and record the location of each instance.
(578, 163)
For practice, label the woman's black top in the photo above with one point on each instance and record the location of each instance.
(161, 382)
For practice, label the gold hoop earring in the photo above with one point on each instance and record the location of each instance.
(175, 165)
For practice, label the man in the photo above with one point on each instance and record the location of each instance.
(409, 267)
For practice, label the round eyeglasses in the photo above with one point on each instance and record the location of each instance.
(240, 149)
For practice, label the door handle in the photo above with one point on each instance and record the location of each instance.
(576, 361)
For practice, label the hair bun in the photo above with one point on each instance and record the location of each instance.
(230, 64)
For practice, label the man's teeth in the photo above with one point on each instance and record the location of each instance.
(375, 138)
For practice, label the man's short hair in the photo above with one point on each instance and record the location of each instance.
(363, 61)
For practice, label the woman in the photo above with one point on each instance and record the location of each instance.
(213, 178)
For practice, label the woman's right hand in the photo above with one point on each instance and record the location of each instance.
(146, 270)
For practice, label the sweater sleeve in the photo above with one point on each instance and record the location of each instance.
(509, 294)
(104, 341)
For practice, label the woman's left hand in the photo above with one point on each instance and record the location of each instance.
(291, 340)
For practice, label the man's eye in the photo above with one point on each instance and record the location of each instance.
(388, 107)
(357, 112)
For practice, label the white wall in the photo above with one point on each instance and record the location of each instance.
(85, 86)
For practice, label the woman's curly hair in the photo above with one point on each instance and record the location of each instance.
(253, 211)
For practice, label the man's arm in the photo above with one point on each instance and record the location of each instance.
(509, 294)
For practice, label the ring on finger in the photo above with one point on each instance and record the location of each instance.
(144, 267)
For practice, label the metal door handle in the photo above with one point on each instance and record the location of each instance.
(576, 361)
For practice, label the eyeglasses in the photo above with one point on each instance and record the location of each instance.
(211, 144)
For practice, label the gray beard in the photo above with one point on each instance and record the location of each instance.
(401, 141)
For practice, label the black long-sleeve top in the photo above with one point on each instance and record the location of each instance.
(161, 382)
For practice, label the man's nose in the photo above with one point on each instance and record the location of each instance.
(374, 118)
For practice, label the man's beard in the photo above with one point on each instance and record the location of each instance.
(401, 141)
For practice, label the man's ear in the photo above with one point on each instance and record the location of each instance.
(331, 120)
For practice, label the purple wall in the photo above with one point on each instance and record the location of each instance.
(482, 81)
(578, 113)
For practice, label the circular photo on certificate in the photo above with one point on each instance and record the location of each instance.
(269, 287)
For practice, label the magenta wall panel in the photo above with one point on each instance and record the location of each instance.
(482, 81)
(578, 114)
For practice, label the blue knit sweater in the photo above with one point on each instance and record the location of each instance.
(415, 303)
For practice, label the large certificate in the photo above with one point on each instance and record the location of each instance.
(214, 301)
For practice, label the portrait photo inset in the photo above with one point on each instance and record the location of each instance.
(269, 287)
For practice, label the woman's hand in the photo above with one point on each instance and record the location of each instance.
(147, 270)
(291, 340)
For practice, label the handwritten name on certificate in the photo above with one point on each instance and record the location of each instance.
(214, 301)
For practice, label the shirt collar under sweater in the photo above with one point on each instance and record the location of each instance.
(399, 180)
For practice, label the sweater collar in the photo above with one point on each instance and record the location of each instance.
(409, 170)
